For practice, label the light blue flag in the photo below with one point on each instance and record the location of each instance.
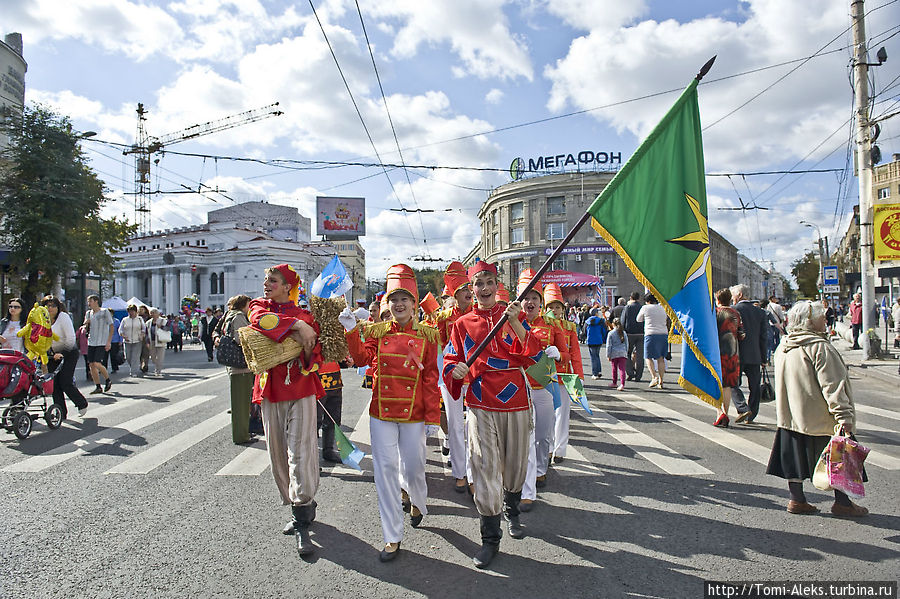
(575, 388)
(333, 282)
(553, 388)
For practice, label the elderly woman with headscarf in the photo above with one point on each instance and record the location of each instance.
(813, 400)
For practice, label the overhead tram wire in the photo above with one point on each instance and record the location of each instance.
(361, 119)
(391, 122)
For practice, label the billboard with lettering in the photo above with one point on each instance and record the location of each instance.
(340, 217)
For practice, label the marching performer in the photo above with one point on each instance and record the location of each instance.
(499, 417)
(405, 401)
(553, 343)
(553, 299)
(287, 394)
(456, 285)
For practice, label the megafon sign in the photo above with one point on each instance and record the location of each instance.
(560, 162)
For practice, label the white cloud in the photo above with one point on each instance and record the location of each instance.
(478, 32)
(596, 15)
(495, 96)
(785, 122)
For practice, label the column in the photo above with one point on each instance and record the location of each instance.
(171, 292)
(185, 287)
(204, 287)
(156, 290)
(131, 282)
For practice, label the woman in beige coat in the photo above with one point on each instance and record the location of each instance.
(813, 399)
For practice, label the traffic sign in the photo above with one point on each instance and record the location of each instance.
(832, 289)
(830, 277)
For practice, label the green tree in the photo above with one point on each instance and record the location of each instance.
(50, 203)
(806, 271)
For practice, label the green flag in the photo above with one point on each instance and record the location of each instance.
(654, 214)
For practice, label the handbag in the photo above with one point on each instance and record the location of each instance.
(229, 353)
(841, 466)
(766, 390)
(162, 335)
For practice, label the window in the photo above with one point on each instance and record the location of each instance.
(515, 268)
(556, 230)
(495, 218)
(214, 283)
(884, 193)
(561, 263)
(517, 235)
(222, 282)
(604, 266)
(517, 211)
(556, 206)
(495, 241)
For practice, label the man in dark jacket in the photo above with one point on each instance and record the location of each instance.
(752, 351)
(634, 367)
(208, 324)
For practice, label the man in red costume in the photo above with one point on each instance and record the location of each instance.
(287, 394)
(499, 415)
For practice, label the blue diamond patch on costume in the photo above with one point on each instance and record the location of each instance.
(468, 343)
(508, 339)
(537, 357)
(475, 388)
(507, 393)
(498, 363)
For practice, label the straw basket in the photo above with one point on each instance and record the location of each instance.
(331, 331)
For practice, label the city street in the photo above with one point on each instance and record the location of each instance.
(148, 497)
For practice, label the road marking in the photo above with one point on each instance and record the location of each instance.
(878, 456)
(159, 454)
(878, 412)
(107, 436)
(645, 446)
(253, 461)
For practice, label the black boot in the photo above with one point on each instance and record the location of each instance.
(490, 541)
(329, 453)
(511, 513)
(303, 515)
(289, 527)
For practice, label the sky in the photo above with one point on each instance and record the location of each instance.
(466, 83)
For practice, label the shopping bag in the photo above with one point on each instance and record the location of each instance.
(843, 466)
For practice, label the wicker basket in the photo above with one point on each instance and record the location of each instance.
(263, 354)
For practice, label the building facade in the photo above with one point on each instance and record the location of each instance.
(724, 257)
(353, 257)
(12, 79)
(886, 190)
(226, 256)
(754, 276)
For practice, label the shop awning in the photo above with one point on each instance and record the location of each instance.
(567, 278)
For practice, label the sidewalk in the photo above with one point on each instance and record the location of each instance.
(883, 369)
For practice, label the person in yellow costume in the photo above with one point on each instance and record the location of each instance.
(37, 336)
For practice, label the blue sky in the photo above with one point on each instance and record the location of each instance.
(453, 69)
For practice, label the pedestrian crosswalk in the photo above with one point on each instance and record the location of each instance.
(643, 423)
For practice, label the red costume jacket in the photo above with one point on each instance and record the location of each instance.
(574, 365)
(294, 379)
(497, 381)
(403, 361)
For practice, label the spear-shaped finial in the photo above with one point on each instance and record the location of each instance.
(705, 68)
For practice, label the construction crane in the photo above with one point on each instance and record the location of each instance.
(146, 145)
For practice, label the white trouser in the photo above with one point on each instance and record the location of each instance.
(456, 432)
(561, 429)
(398, 455)
(293, 448)
(540, 441)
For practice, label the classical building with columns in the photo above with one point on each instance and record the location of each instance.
(226, 256)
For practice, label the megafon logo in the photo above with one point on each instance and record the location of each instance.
(516, 168)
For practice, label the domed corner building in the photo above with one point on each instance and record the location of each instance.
(524, 220)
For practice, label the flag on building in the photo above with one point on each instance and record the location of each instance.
(333, 282)
(654, 214)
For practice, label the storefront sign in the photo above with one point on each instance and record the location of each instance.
(582, 249)
(558, 162)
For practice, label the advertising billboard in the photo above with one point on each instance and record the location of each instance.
(887, 231)
(340, 217)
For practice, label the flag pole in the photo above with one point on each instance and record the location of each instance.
(587, 215)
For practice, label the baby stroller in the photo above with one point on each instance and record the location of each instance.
(27, 389)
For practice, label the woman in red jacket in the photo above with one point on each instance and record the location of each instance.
(405, 401)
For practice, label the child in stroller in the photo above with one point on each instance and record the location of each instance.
(27, 390)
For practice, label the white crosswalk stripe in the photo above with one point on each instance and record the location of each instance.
(161, 453)
(108, 436)
(253, 461)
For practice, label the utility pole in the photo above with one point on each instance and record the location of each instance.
(864, 167)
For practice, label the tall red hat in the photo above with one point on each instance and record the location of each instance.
(481, 266)
(429, 304)
(553, 293)
(502, 294)
(525, 278)
(400, 277)
(455, 277)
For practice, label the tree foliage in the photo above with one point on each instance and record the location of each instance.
(50, 204)
(806, 271)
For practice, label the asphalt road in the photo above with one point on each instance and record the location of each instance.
(148, 497)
